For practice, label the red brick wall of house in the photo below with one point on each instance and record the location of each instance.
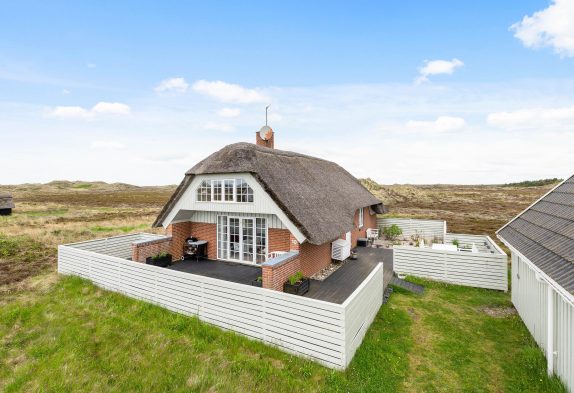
(279, 239)
(314, 258)
(178, 232)
(369, 221)
(206, 231)
(274, 276)
(143, 250)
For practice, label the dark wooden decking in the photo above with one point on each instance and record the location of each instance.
(339, 285)
(228, 271)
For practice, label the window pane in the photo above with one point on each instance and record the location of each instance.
(261, 240)
(204, 191)
(222, 237)
(229, 190)
(244, 192)
(217, 190)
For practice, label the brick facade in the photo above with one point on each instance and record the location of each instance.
(143, 250)
(279, 240)
(369, 221)
(178, 232)
(314, 258)
(275, 275)
(206, 231)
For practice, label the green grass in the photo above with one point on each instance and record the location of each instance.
(125, 229)
(76, 337)
(47, 213)
(83, 185)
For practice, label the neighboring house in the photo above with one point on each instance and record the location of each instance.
(252, 202)
(541, 240)
(6, 204)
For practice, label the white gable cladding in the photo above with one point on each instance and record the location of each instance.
(262, 203)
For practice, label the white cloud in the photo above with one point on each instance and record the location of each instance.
(70, 112)
(91, 65)
(539, 118)
(66, 92)
(441, 124)
(115, 108)
(101, 108)
(437, 67)
(222, 127)
(228, 92)
(229, 112)
(107, 145)
(172, 85)
(552, 27)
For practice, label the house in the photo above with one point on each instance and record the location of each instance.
(280, 210)
(6, 204)
(541, 240)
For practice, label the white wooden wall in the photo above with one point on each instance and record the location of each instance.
(530, 297)
(410, 226)
(326, 332)
(116, 246)
(483, 243)
(482, 270)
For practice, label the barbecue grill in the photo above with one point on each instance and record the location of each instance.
(194, 248)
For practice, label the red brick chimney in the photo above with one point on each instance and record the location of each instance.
(265, 137)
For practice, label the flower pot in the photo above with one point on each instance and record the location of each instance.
(159, 261)
(257, 283)
(354, 255)
(299, 288)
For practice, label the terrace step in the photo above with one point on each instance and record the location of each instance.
(409, 286)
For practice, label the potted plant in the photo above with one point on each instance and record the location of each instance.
(162, 259)
(297, 284)
(258, 282)
(354, 254)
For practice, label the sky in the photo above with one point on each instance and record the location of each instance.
(401, 92)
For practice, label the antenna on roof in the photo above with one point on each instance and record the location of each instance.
(266, 108)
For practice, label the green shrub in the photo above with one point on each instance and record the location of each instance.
(392, 232)
(455, 242)
(295, 278)
(160, 255)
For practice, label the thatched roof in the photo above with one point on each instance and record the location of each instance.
(317, 195)
(6, 201)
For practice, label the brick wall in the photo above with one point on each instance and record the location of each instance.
(143, 250)
(369, 221)
(178, 232)
(314, 258)
(205, 231)
(279, 240)
(275, 275)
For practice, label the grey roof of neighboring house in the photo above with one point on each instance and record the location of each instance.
(544, 233)
(6, 201)
(317, 195)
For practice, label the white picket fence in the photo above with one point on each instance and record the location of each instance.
(326, 332)
(411, 226)
(485, 269)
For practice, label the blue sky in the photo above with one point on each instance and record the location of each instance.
(402, 92)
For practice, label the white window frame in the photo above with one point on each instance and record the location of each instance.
(225, 219)
(223, 191)
(361, 217)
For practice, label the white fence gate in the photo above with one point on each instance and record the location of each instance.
(325, 332)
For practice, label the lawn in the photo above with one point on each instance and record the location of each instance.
(73, 336)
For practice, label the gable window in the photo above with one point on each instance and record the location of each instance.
(361, 217)
(204, 191)
(243, 191)
(217, 190)
(226, 190)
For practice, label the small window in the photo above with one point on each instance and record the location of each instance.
(244, 192)
(217, 190)
(204, 191)
(229, 186)
(361, 217)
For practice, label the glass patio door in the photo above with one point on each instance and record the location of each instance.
(242, 239)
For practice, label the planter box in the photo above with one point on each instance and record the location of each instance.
(162, 262)
(257, 283)
(299, 288)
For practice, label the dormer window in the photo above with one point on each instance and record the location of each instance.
(226, 190)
